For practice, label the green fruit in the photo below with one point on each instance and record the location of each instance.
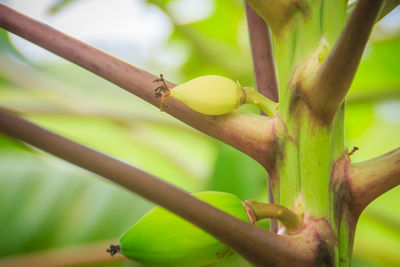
(162, 238)
(210, 95)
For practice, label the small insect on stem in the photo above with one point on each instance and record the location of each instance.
(114, 249)
(353, 150)
(162, 91)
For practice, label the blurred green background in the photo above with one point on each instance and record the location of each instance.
(48, 205)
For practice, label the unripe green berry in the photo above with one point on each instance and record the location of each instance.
(210, 95)
(161, 238)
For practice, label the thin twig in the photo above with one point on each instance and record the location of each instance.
(248, 133)
(354, 150)
(255, 244)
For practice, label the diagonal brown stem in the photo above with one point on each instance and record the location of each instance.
(387, 8)
(370, 179)
(248, 133)
(255, 244)
(326, 90)
(263, 58)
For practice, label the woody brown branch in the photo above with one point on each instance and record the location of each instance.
(248, 133)
(370, 179)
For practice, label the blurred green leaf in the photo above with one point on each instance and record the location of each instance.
(48, 203)
(358, 118)
(379, 72)
(5, 44)
(218, 44)
(379, 138)
(236, 173)
(60, 5)
(378, 231)
(108, 137)
(10, 143)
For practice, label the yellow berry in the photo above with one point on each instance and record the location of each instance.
(210, 95)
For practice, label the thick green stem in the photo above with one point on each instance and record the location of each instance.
(291, 220)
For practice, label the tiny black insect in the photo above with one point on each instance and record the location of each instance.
(162, 91)
(114, 249)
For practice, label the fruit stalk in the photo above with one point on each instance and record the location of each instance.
(255, 98)
(258, 211)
